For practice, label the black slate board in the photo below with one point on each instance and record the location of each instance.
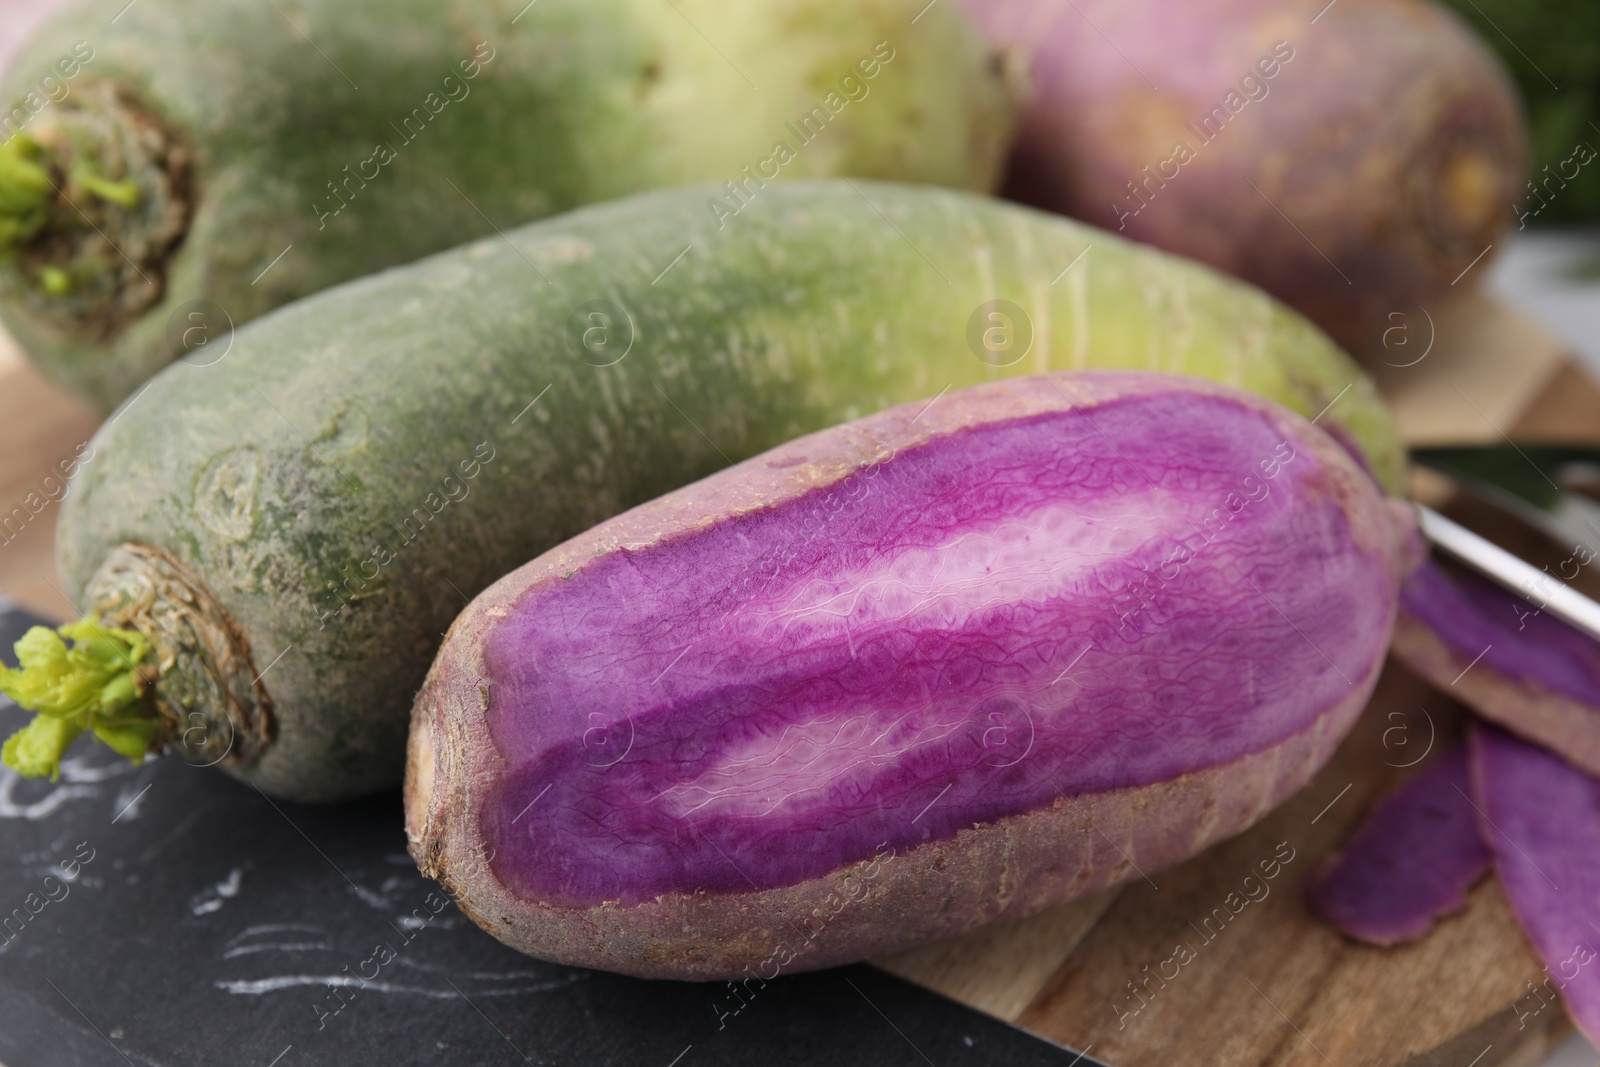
(205, 921)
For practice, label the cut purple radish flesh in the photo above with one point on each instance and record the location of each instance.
(1494, 650)
(1541, 817)
(885, 683)
(1412, 861)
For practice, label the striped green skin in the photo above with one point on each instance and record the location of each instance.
(822, 301)
(583, 101)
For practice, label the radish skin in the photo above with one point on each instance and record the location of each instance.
(305, 504)
(1540, 816)
(1411, 862)
(956, 661)
(1498, 653)
(206, 164)
(1357, 160)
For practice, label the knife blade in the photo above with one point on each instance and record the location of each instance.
(1537, 486)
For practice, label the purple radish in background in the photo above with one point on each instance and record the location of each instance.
(1353, 159)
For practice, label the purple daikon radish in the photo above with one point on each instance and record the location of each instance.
(1411, 862)
(1354, 159)
(959, 660)
(1498, 653)
(1541, 817)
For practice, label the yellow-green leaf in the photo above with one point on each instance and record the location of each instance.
(35, 751)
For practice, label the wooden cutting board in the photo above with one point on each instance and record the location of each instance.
(1268, 985)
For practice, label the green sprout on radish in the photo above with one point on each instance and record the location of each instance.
(92, 686)
(25, 191)
(28, 194)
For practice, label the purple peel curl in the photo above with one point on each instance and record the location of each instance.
(1411, 862)
(1541, 818)
(1494, 650)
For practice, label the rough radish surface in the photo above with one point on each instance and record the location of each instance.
(415, 125)
(1523, 669)
(1412, 861)
(970, 657)
(1541, 818)
(365, 460)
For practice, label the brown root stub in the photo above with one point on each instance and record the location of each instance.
(206, 687)
(92, 257)
(1460, 181)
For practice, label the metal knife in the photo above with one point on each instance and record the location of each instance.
(1542, 486)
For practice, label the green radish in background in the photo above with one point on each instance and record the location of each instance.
(172, 170)
(292, 529)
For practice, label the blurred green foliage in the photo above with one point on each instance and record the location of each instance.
(1553, 50)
